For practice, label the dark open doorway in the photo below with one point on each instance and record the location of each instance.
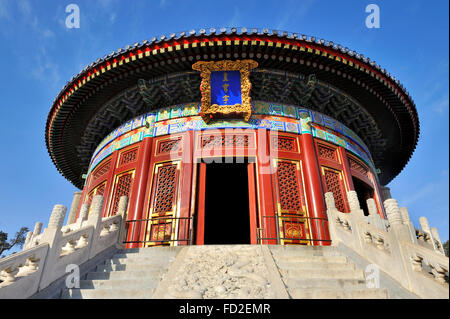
(364, 192)
(227, 218)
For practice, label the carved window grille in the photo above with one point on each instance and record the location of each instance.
(169, 146)
(128, 157)
(283, 143)
(99, 190)
(327, 152)
(288, 186)
(355, 165)
(224, 141)
(102, 170)
(165, 191)
(333, 184)
(123, 188)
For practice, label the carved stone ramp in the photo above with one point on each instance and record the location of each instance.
(321, 272)
(129, 274)
(223, 271)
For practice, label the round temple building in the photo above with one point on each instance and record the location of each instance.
(231, 136)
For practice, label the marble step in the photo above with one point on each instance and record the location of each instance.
(129, 274)
(313, 259)
(139, 293)
(108, 267)
(321, 273)
(140, 259)
(141, 252)
(301, 293)
(315, 265)
(331, 283)
(151, 282)
(287, 251)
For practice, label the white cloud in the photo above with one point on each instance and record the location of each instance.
(44, 69)
(235, 19)
(441, 105)
(297, 10)
(4, 9)
(25, 7)
(418, 195)
(48, 33)
(112, 17)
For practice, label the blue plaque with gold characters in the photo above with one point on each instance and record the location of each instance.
(225, 88)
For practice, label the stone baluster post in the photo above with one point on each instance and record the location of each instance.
(52, 235)
(74, 208)
(329, 201)
(423, 221)
(27, 240)
(407, 221)
(30, 242)
(331, 213)
(84, 213)
(95, 219)
(437, 238)
(355, 207)
(395, 220)
(37, 229)
(122, 211)
(374, 218)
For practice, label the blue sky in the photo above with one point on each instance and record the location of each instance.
(39, 54)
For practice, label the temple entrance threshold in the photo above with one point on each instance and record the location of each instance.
(226, 204)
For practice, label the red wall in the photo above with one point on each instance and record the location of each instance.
(288, 174)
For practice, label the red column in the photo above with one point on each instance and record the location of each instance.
(266, 189)
(135, 208)
(186, 187)
(200, 240)
(252, 202)
(315, 193)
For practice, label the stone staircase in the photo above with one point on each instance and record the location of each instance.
(129, 274)
(233, 271)
(321, 272)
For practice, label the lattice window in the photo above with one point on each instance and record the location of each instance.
(283, 143)
(333, 185)
(355, 165)
(327, 152)
(289, 190)
(99, 172)
(169, 146)
(225, 141)
(128, 156)
(123, 188)
(99, 190)
(165, 192)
